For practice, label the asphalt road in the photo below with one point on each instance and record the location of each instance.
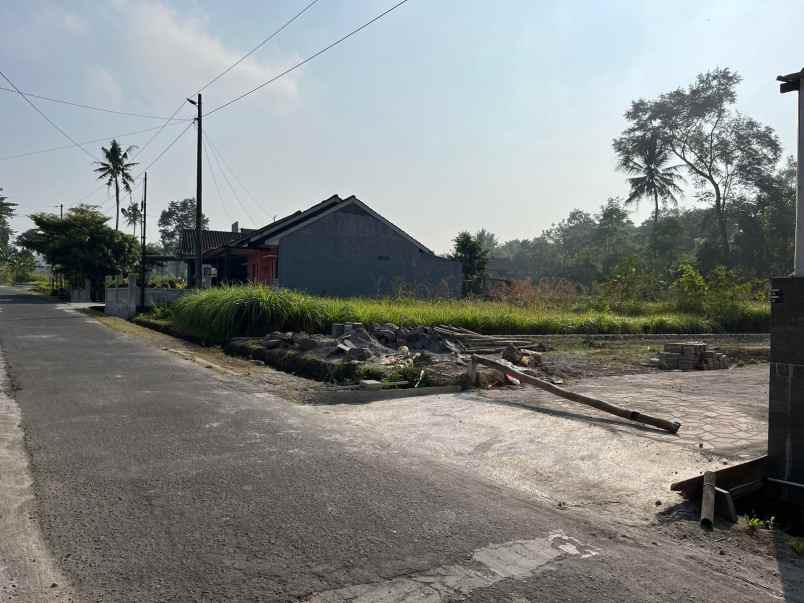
(160, 480)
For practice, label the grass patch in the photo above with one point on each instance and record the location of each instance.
(216, 315)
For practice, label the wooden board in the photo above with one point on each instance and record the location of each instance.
(729, 478)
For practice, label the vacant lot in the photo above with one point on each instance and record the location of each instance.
(224, 312)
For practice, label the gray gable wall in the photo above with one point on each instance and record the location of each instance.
(351, 253)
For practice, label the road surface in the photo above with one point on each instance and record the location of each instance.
(159, 480)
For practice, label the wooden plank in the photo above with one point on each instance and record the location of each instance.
(632, 415)
(747, 489)
(728, 478)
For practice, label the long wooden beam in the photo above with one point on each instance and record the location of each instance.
(633, 415)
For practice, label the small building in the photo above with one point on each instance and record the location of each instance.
(338, 247)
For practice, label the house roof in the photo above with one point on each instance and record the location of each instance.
(271, 232)
(210, 239)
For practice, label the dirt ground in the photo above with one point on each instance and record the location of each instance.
(579, 357)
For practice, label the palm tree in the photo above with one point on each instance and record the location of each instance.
(650, 176)
(116, 170)
(133, 215)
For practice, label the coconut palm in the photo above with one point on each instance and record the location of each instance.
(116, 170)
(650, 176)
(132, 215)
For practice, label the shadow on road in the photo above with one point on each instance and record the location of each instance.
(25, 298)
(605, 422)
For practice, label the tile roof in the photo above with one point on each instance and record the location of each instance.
(210, 239)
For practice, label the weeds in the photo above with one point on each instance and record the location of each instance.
(753, 524)
(220, 313)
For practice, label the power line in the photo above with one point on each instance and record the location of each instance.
(307, 60)
(258, 46)
(217, 186)
(210, 82)
(166, 149)
(225, 71)
(225, 165)
(50, 121)
(62, 101)
(146, 168)
(159, 131)
(69, 146)
(229, 184)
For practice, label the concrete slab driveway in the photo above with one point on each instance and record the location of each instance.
(574, 455)
(158, 480)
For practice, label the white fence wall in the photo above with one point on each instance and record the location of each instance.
(124, 301)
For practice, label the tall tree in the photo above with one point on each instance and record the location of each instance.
(132, 215)
(81, 246)
(179, 215)
(765, 226)
(473, 258)
(649, 175)
(487, 240)
(724, 152)
(6, 213)
(18, 265)
(116, 169)
(614, 237)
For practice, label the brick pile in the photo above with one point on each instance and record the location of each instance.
(691, 356)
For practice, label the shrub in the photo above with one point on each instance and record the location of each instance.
(221, 313)
(752, 524)
(689, 290)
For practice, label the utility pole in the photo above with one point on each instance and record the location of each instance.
(199, 259)
(142, 255)
(61, 210)
(792, 83)
(785, 473)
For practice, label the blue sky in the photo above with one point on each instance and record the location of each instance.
(446, 115)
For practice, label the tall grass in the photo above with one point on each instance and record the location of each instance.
(224, 312)
(253, 310)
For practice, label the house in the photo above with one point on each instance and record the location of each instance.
(210, 239)
(339, 247)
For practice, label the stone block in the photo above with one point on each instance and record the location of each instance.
(668, 361)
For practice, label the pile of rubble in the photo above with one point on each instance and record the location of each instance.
(690, 356)
(354, 342)
(393, 337)
(522, 357)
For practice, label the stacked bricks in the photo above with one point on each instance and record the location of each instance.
(691, 356)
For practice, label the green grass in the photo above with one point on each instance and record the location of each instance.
(251, 310)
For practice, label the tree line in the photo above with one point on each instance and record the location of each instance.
(689, 140)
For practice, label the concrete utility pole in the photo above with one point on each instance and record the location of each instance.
(791, 83)
(61, 210)
(786, 391)
(142, 255)
(199, 256)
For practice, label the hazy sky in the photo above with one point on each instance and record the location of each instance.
(446, 115)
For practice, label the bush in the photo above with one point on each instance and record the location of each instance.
(166, 282)
(689, 290)
(221, 313)
(548, 293)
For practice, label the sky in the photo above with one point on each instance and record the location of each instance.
(445, 115)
